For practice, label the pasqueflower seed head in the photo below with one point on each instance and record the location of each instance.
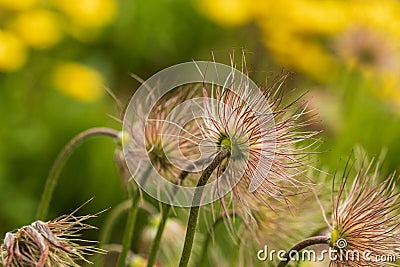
(55, 243)
(366, 221)
(267, 140)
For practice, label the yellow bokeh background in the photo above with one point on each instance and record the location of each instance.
(13, 52)
(78, 81)
(309, 36)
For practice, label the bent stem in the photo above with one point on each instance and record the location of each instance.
(110, 222)
(62, 158)
(108, 225)
(194, 211)
(302, 245)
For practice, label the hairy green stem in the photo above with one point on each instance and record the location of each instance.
(129, 228)
(164, 217)
(59, 163)
(194, 211)
(302, 245)
(130, 223)
(109, 224)
(156, 243)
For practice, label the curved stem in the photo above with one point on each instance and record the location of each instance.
(108, 225)
(129, 228)
(194, 211)
(302, 245)
(62, 157)
(109, 222)
(112, 218)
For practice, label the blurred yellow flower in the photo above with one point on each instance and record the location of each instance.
(315, 37)
(302, 16)
(79, 81)
(227, 12)
(39, 28)
(300, 53)
(88, 13)
(17, 4)
(379, 14)
(12, 52)
(292, 30)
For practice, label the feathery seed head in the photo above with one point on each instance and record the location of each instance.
(44, 244)
(157, 135)
(265, 138)
(367, 218)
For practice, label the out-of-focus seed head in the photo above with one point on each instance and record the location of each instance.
(157, 135)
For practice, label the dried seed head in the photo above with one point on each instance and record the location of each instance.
(54, 243)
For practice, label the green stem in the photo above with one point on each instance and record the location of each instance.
(110, 222)
(130, 224)
(112, 218)
(156, 243)
(129, 228)
(108, 225)
(302, 245)
(194, 211)
(58, 165)
(164, 217)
